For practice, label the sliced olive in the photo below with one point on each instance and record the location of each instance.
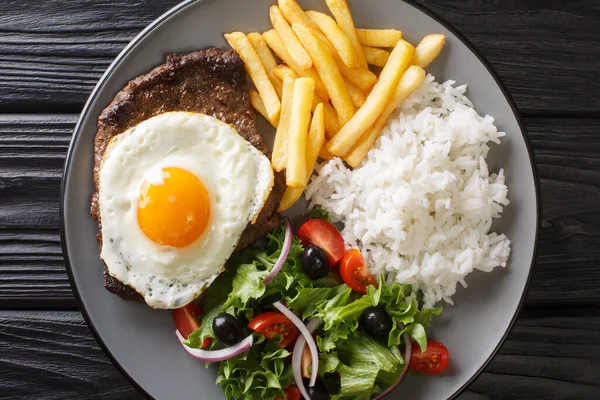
(314, 262)
(317, 392)
(376, 322)
(226, 329)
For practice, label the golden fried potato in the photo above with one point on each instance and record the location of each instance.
(281, 71)
(296, 173)
(326, 155)
(266, 58)
(259, 106)
(361, 77)
(339, 41)
(332, 123)
(328, 71)
(376, 102)
(240, 43)
(341, 12)
(314, 144)
(379, 37)
(316, 138)
(412, 78)
(375, 56)
(280, 148)
(428, 49)
(288, 37)
(295, 14)
(358, 97)
(278, 47)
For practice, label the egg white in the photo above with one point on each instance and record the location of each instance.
(238, 178)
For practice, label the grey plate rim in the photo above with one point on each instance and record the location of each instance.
(156, 24)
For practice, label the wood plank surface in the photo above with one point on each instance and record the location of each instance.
(52, 355)
(54, 51)
(33, 147)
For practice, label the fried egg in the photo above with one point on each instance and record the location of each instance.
(175, 194)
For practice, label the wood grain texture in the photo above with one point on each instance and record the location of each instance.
(33, 147)
(54, 51)
(32, 152)
(58, 350)
(52, 355)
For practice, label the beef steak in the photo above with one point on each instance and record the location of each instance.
(211, 82)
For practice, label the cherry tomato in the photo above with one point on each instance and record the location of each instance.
(306, 362)
(324, 235)
(291, 393)
(355, 273)
(433, 361)
(273, 323)
(186, 321)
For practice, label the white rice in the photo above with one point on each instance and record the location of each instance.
(420, 206)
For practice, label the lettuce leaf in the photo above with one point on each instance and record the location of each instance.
(260, 373)
(253, 266)
(319, 213)
(363, 363)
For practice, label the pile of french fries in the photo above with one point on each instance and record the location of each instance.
(323, 99)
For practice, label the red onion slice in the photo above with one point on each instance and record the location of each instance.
(407, 355)
(287, 244)
(307, 336)
(217, 355)
(312, 326)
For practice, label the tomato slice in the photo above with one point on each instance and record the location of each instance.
(186, 321)
(291, 393)
(354, 271)
(274, 323)
(433, 361)
(324, 235)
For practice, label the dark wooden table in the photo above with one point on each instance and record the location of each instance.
(52, 52)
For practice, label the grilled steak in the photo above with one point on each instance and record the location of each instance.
(212, 82)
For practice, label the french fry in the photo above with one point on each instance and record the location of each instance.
(290, 197)
(341, 12)
(428, 49)
(376, 102)
(332, 123)
(316, 138)
(280, 147)
(289, 38)
(266, 58)
(240, 43)
(292, 11)
(314, 144)
(358, 97)
(326, 155)
(278, 47)
(361, 77)
(259, 106)
(412, 78)
(329, 73)
(339, 41)
(379, 37)
(296, 173)
(375, 56)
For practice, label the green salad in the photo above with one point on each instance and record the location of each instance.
(362, 339)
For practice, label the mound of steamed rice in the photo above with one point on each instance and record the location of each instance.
(420, 206)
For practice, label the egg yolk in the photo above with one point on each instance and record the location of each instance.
(175, 212)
